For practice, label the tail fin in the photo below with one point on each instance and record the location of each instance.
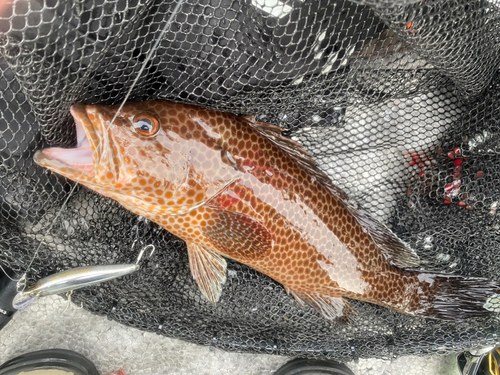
(457, 298)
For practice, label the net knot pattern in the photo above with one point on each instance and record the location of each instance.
(398, 101)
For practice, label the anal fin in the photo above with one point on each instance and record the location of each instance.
(335, 309)
(208, 269)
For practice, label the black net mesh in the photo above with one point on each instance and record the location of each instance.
(399, 102)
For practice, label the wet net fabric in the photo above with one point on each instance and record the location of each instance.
(398, 101)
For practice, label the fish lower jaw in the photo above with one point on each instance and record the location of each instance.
(69, 163)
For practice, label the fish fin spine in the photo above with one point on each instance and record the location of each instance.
(335, 309)
(395, 251)
(291, 147)
(263, 127)
(208, 269)
(299, 300)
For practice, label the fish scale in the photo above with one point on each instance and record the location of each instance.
(233, 187)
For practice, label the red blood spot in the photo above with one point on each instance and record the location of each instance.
(457, 175)
(117, 372)
(408, 27)
(457, 161)
(439, 151)
(457, 151)
(408, 192)
(247, 163)
(417, 158)
(480, 174)
(453, 189)
(451, 155)
(224, 200)
(421, 173)
(447, 200)
(461, 203)
(469, 207)
(458, 168)
(228, 201)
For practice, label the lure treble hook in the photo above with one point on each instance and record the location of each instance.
(143, 250)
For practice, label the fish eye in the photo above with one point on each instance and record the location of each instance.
(146, 125)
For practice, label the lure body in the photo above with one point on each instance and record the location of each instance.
(233, 187)
(67, 281)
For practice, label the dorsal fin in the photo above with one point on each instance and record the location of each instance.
(395, 251)
(263, 126)
(293, 148)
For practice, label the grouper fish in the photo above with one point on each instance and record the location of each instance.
(233, 187)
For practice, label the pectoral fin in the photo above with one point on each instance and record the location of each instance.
(238, 235)
(332, 308)
(209, 271)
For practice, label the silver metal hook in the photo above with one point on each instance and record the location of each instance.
(143, 251)
(69, 294)
(21, 284)
(133, 244)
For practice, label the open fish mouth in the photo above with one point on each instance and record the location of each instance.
(71, 162)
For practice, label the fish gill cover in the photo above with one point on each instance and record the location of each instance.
(398, 101)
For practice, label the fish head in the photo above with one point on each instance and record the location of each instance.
(148, 156)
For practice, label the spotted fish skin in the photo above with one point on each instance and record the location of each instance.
(233, 187)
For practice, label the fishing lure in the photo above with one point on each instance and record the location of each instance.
(75, 278)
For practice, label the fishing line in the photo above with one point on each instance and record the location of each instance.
(6, 274)
(148, 58)
(23, 277)
(134, 83)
